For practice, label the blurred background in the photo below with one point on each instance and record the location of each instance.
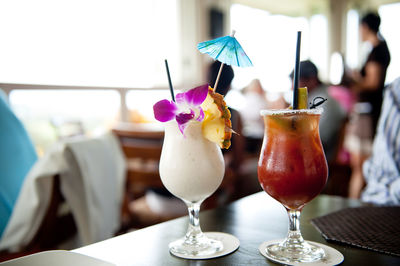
(73, 70)
(73, 67)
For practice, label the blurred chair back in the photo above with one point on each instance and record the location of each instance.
(339, 167)
(142, 146)
(89, 173)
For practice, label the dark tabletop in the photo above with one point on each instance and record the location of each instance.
(253, 219)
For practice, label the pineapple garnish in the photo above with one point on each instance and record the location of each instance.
(303, 98)
(217, 126)
(302, 103)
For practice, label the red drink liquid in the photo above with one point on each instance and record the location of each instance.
(292, 167)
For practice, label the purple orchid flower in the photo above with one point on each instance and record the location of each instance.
(187, 107)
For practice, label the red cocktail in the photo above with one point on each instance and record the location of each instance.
(292, 169)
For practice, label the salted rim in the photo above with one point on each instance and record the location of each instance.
(316, 111)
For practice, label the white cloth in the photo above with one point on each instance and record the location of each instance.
(92, 176)
(382, 170)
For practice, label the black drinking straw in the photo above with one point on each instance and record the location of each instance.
(169, 81)
(296, 73)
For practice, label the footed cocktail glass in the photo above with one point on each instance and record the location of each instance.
(191, 168)
(293, 170)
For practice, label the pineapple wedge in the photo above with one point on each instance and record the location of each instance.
(303, 98)
(216, 126)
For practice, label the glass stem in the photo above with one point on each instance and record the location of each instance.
(194, 230)
(294, 237)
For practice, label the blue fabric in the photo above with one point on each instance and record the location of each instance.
(382, 169)
(17, 156)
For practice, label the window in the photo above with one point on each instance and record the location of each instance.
(390, 31)
(140, 104)
(270, 42)
(51, 114)
(108, 43)
(352, 40)
(98, 43)
(318, 44)
(336, 68)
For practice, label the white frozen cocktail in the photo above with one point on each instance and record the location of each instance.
(191, 165)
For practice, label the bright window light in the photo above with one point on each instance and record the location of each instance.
(318, 44)
(352, 40)
(270, 42)
(390, 31)
(111, 43)
(43, 112)
(140, 104)
(336, 68)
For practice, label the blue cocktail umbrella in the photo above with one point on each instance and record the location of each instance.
(227, 50)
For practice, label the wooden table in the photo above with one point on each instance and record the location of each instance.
(253, 219)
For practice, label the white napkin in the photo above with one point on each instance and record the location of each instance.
(92, 175)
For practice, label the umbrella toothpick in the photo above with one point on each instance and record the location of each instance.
(218, 76)
(222, 65)
(226, 50)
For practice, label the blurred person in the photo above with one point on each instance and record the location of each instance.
(342, 92)
(332, 118)
(17, 156)
(253, 124)
(343, 95)
(276, 101)
(368, 84)
(382, 169)
(256, 99)
(370, 81)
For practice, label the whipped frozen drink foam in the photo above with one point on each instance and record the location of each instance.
(191, 167)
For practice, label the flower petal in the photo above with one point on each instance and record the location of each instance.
(183, 119)
(180, 98)
(164, 110)
(193, 97)
(201, 115)
(182, 128)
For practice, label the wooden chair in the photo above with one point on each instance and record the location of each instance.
(142, 146)
(339, 172)
(142, 149)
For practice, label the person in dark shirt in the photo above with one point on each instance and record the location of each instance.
(368, 85)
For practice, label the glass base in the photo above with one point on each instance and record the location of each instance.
(303, 252)
(200, 246)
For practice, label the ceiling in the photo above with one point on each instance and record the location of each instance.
(308, 7)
